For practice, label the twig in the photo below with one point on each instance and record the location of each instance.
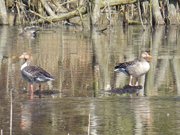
(150, 11)
(81, 18)
(11, 112)
(139, 10)
(68, 2)
(18, 10)
(109, 11)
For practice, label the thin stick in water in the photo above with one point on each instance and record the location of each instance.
(1, 132)
(11, 111)
(89, 124)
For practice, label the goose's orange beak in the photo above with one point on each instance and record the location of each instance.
(149, 58)
(24, 56)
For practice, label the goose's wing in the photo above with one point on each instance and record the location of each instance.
(125, 66)
(37, 73)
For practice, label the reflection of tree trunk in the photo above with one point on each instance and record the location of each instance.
(102, 57)
(158, 19)
(156, 42)
(176, 67)
(60, 63)
(161, 72)
(96, 72)
(3, 43)
(143, 115)
(172, 40)
(3, 13)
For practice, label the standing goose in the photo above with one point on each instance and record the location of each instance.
(33, 74)
(135, 68)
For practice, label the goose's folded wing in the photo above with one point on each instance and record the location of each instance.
(36, 72)
(123, 67)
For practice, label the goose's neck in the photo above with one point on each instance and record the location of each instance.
(143, 59)
(24, 65)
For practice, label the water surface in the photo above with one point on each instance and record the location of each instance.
(82, 64)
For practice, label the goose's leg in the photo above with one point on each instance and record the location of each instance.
(137, 82)
(40, 87)
(31, 91)
(130, 80)
(39, 90)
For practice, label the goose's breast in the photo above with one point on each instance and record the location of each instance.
(139, 69)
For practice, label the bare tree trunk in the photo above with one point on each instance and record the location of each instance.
(3, 13)
(95, 11)
(172, 15)
(47, 7)
(157, 17)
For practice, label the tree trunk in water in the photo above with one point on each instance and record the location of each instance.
(172, 15)
(157, 17)
(95, 11)
(3, 13)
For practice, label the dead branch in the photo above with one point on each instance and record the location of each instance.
(79, 11)
(47, 8)
(65, 16)
(39, 15)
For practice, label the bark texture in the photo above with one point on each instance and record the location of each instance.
(3, 13)
(157, 16)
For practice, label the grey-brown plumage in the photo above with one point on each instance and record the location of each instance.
(34, 74)
(123, 67)
(135, 68)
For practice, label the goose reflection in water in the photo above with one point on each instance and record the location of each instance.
(126, 90)
(29, 31)
(34, 74)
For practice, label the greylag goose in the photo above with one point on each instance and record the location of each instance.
(33, 74)
(135, 68)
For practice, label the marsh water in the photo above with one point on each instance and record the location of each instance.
(80, 100)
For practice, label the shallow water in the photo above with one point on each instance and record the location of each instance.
(82, 64)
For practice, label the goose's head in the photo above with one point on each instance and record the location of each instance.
(25, 57)
(146, 56)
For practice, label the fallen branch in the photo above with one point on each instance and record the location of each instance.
(68, 15)
(39, 15)
(47, 8)
(67, 2)
(80, 11)
(81, 17)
